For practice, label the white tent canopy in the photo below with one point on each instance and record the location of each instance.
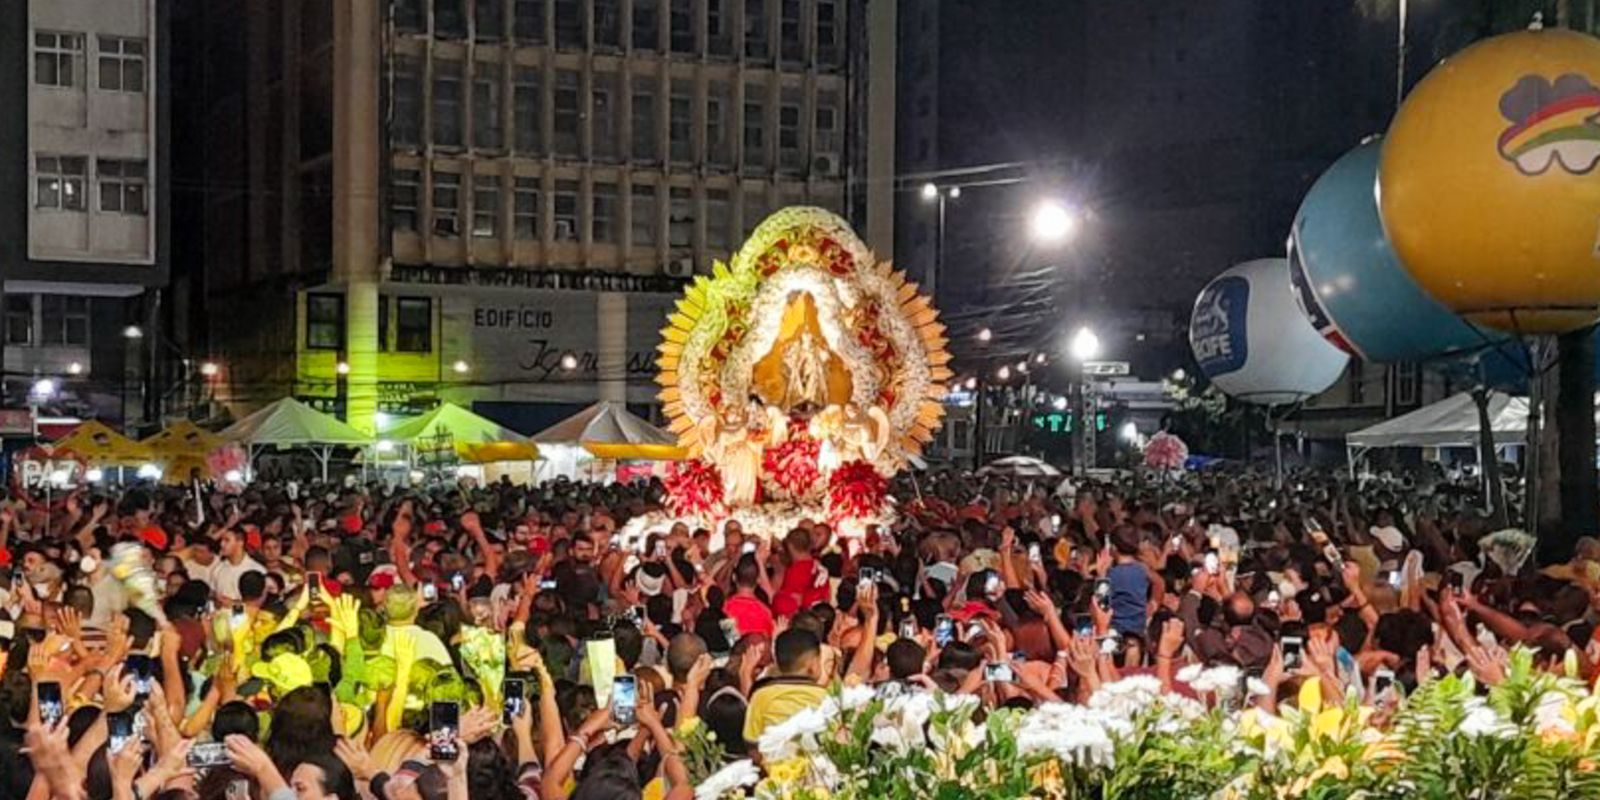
(463, 426)
(604, 430)
(291, 423)
(1451, 422)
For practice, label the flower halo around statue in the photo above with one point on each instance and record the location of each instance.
(801, 357)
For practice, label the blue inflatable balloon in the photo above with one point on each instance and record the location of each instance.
(1350, 283)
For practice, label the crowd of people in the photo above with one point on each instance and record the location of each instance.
(461, 641)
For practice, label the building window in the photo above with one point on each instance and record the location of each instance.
(447, 103)
(57, 58)
(60, 182)
(566, 211)
(122, 186)
(413, 328)
(719, 106)
(526, 102)
(325, 321)
(607, 24)
(829, 139)
(646, 24)
(756, 44)
(603, 115)
(121, 64)
(485, 206)
(642, 212)
(487, 131)
(789, 31)
(680, 122)
(448, 20)
(63, 319)
(404, 197)
(755, 209)
(719, 221)
(680, 217)
(446, 204)
(1406, 380)
(789, 133)
(527, 24)
(755, 142)
(680, 30)
(408, 16)
(569, 24)
(19, 319)
(489, 20)
(1358, 382)
(567, 113)
(406, 129)
(644, 119)
(525, 208)
(383, 323)
(719, 31)
(828, 51)
(603, 213)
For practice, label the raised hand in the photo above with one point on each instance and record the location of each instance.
(478, 723)
(356, 758)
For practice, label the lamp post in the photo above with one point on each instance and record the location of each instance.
(981, 382)
(933, 193)
(1084, 347)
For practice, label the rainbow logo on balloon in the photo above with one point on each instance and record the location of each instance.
(1552, 123)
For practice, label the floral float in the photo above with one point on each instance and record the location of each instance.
(802, 357)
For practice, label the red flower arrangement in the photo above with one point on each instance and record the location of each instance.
(1165, 451)
(693, 488)
(792, 466)
(856, 490)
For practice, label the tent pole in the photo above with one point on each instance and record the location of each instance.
(323, 455)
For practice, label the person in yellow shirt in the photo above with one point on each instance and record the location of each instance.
(798, 658)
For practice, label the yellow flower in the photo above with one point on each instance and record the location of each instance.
(1046, 777)
(1334, 767)
(1327, 723)
(787, 771)
(1311, 695)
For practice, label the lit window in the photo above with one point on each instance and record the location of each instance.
(59, 181)
(485, 206)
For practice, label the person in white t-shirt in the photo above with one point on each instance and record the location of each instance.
(222, 575)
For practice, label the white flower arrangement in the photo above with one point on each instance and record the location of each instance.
(796, 735)
(1483, 721)
(731, 779)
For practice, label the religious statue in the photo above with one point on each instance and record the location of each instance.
(734, 443)
(805, 372)
(849, 433)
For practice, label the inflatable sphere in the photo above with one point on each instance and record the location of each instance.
(1351, 285)
(1251, 340)
(1488, 186)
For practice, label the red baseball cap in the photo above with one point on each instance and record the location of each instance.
(380, 580)
(352, 523)
(154, 536)
(539, 545)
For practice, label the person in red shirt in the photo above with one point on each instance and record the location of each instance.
(805, 583)
(745, 607)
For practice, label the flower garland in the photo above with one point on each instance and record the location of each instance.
(694, 488)
(792, 466)
(1165, 451)
(855, 489)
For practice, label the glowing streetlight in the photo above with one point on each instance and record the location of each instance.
(233, 476)
(460, 367)
(44, 388)
(930, 192)
(343, 368)
(1022, 367)
(985, 335)
(133, 332)
(569, 362)
(75, 368)
(1085, 345)
(1038, 359)
(210, 369)
(1130, 432)
(1053, 222)
(972, 383)
(1178, 375)
(1004, 374)
(1060, 403)
(955, 191)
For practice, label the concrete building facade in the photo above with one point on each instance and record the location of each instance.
(495, 202)
(83, 202)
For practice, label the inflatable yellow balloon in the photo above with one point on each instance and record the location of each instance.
(1488, 184)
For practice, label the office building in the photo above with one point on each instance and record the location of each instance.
(83, 202)
(496, 202)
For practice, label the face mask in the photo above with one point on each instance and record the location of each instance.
(87, 565)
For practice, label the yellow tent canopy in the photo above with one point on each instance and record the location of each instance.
(183, 449)
(95, 443)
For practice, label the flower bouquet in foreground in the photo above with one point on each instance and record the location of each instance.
(1531, 735)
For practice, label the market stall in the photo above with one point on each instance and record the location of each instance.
(582, 445)
(290, 424)
(452, 434)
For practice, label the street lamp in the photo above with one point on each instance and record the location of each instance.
(1053, 222)
(569, 362)
(1085, 345)
(930, 191)
(133, 332)
(75, 368)
(44, 388)
(210, 369)
(985, 336)
(1004, 374)
(1178, 375)
(343, 368)
(460, 367)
